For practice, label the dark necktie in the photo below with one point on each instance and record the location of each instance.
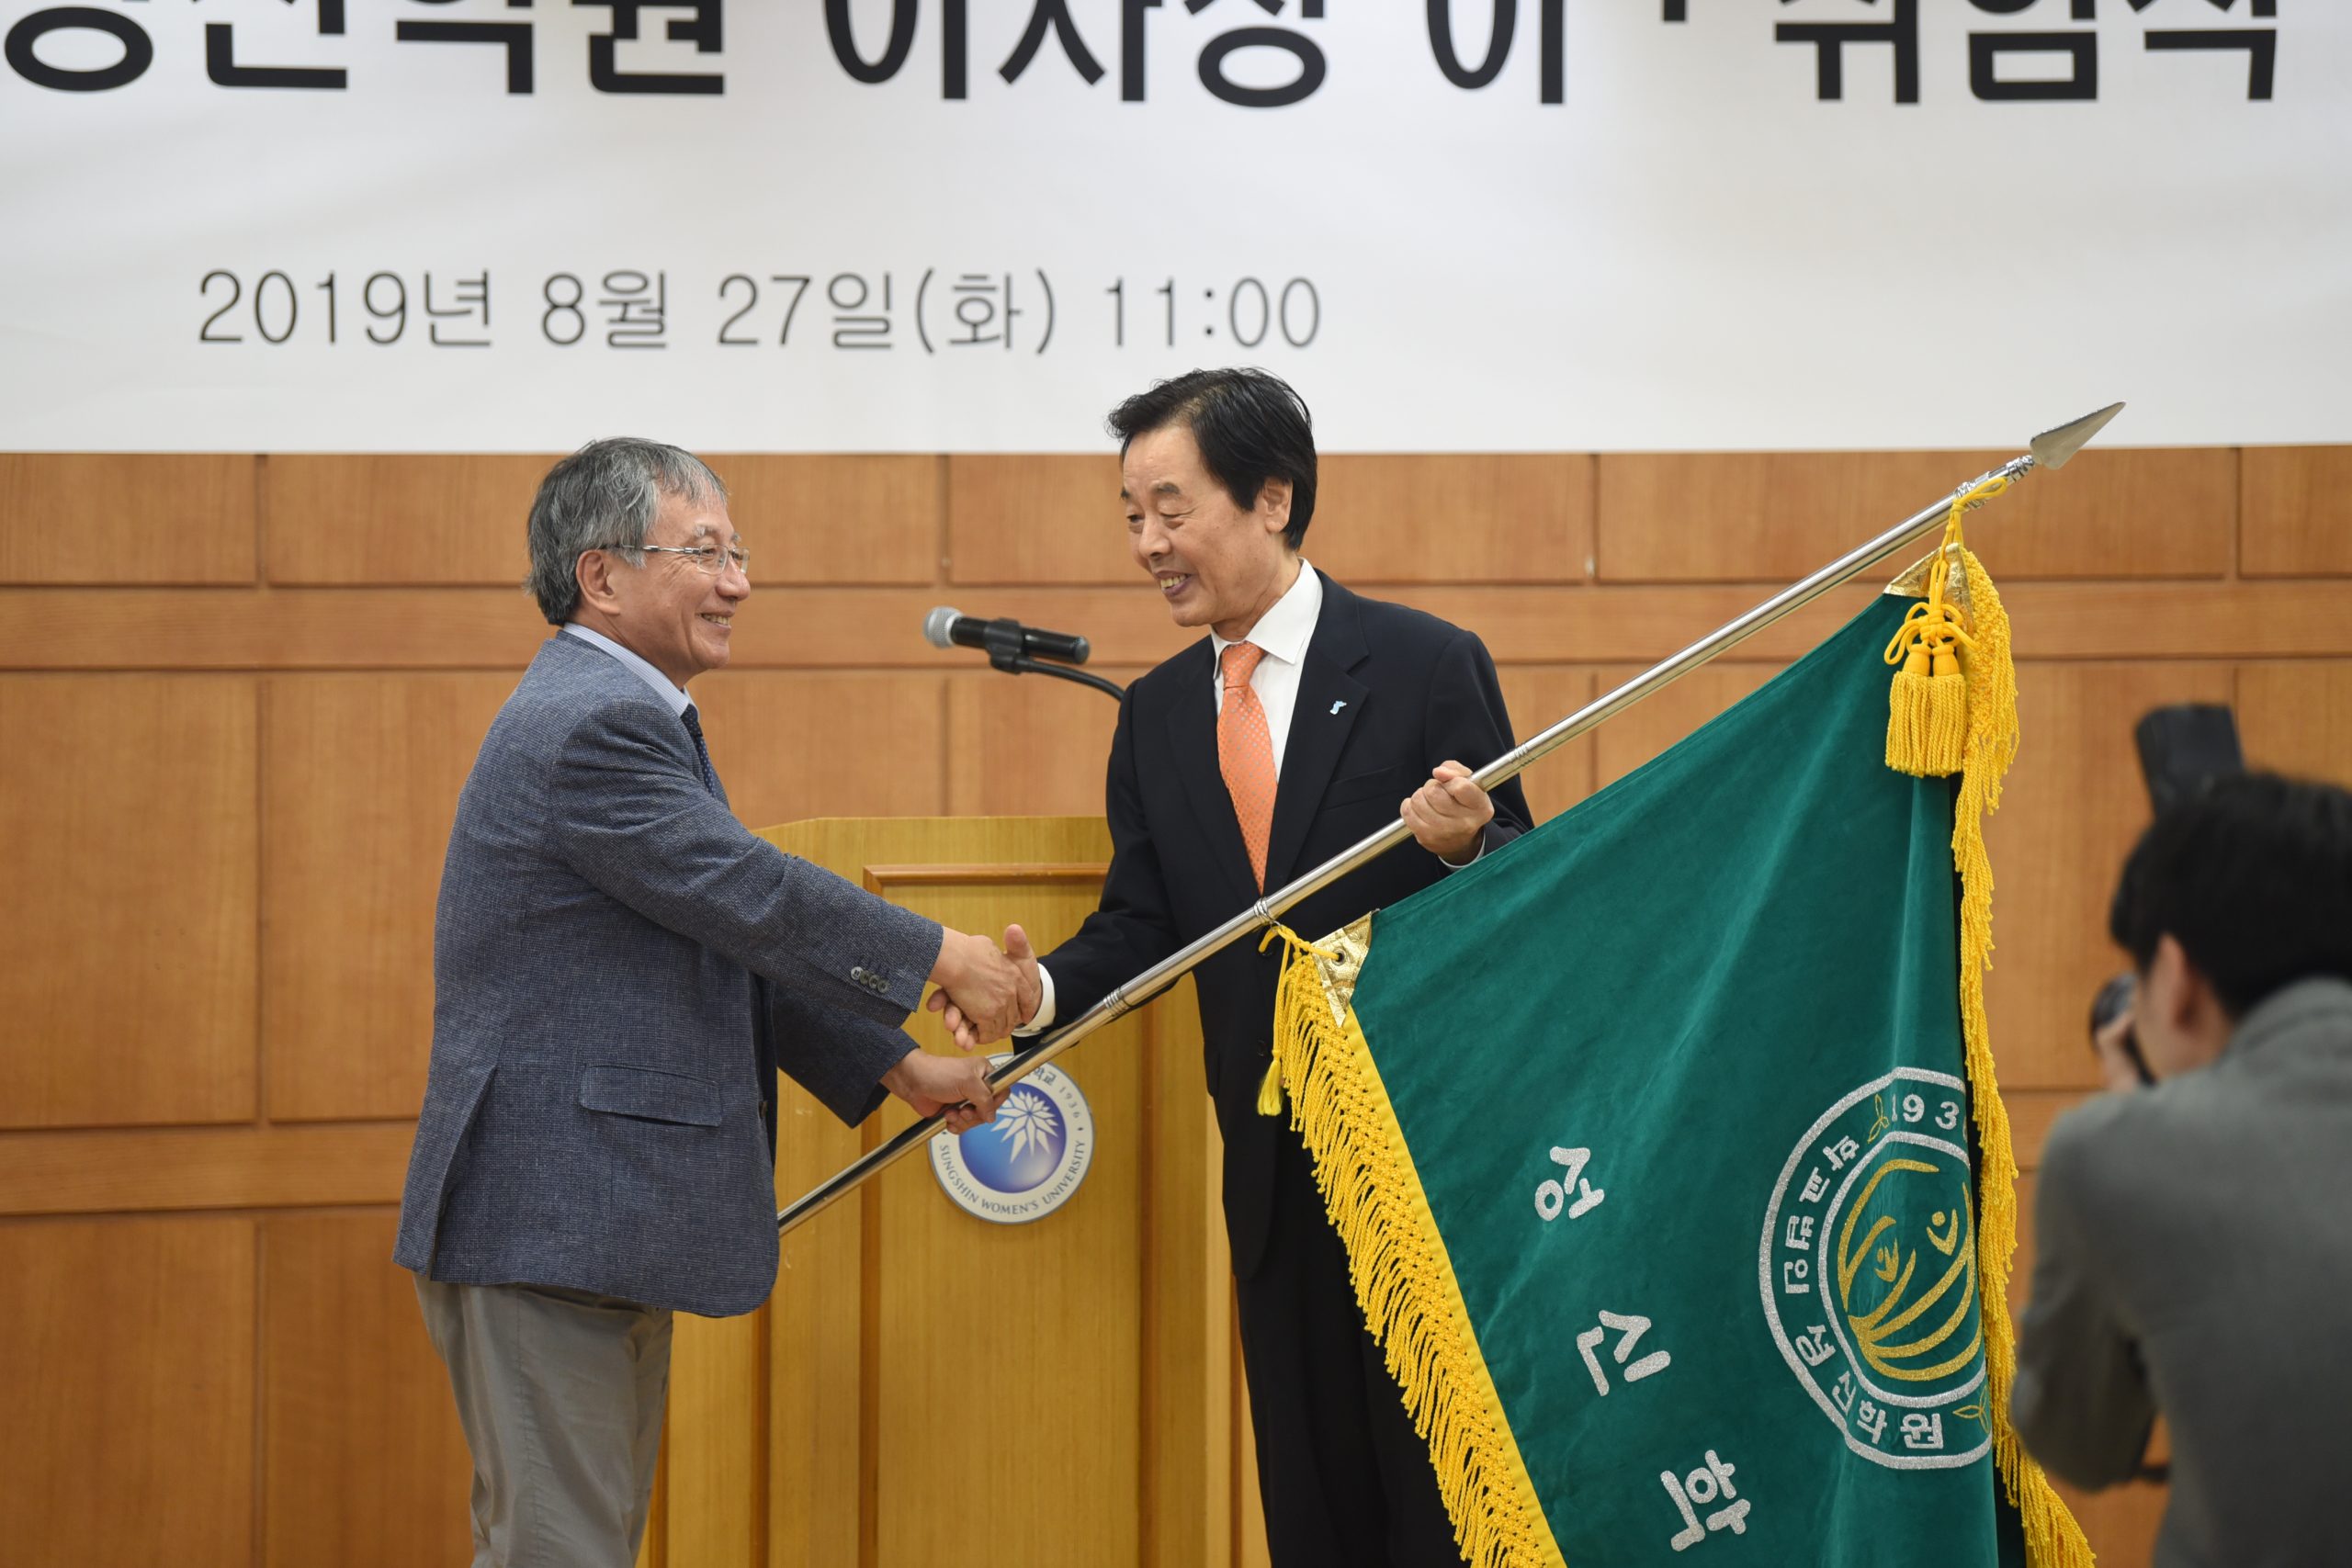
(693, 721)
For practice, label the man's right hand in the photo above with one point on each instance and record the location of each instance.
(982, 994)
(1029, 992)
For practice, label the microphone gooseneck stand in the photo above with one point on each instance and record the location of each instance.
(1004, 653)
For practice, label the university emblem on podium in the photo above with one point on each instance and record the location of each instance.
(1867, 1272)
(1025, 1164)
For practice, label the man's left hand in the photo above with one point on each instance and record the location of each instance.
(953, 1088)
(1449, 814)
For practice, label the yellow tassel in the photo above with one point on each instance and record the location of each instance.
(1270, 1092)
(1926, 717)
(1945, 742)
(1990, 742)
(1397, 1260)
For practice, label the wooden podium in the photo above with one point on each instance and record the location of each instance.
(926, 1388)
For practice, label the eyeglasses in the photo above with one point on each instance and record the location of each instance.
(708, 559)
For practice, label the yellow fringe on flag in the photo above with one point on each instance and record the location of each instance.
(2053, 1539)
(1398, 1261)
(1403, 1277)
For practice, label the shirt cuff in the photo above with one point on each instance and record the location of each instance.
(1045, 1018)
(1454, 864)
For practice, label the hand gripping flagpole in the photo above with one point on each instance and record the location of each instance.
(2050, 449)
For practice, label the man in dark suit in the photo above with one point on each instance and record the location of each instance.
(1307, 720)
(619, 969)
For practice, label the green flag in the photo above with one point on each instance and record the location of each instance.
(1668, 1157)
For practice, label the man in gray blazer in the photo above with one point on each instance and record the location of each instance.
(2193, 1241)
(620, 969)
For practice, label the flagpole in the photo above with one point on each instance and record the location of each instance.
(2049, 450)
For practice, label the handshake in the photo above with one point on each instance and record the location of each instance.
(983, 995)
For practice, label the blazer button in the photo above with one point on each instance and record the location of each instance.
(862, 974)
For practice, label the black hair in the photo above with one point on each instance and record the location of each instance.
(2253, 877)
(1250, 427)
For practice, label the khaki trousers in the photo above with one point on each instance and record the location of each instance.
(561, 1394)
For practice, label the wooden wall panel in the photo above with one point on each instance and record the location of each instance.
(863, 518)
(364, 1463)
(1036, 519)
(1539, 695)
(128, 1367)
(128, 827)
(2182, 620)
(362, 774)
(1464, 517)
(796, 744)
(118, 1169)
(1698, 517)
(1454, 518)
(2075, 802)
(285, 628)
(352, 518)
(2296, 512)
(110, 519)
(1028, 745)
(1613, 624)
(378, 518)
(855, 628)
(2297, 719)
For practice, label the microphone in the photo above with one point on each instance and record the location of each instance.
(946, 626)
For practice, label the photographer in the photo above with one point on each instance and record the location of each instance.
(2194, 1241)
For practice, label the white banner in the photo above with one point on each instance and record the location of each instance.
(973, 225)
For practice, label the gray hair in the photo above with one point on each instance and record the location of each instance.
(604, 497)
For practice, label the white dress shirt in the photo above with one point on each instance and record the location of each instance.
(672, 694)
(1283, 631)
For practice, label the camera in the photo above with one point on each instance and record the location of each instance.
(2182, 748)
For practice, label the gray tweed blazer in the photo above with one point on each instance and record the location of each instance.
(619, 968)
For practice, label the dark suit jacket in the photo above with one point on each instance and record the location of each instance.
(1416, 690)
(597, 1113)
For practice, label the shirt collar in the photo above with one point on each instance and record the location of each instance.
(1286, 628)
(634, 662)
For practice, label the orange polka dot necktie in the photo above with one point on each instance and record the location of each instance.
(1245, 753)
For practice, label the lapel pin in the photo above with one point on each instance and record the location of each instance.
(1338, 706)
